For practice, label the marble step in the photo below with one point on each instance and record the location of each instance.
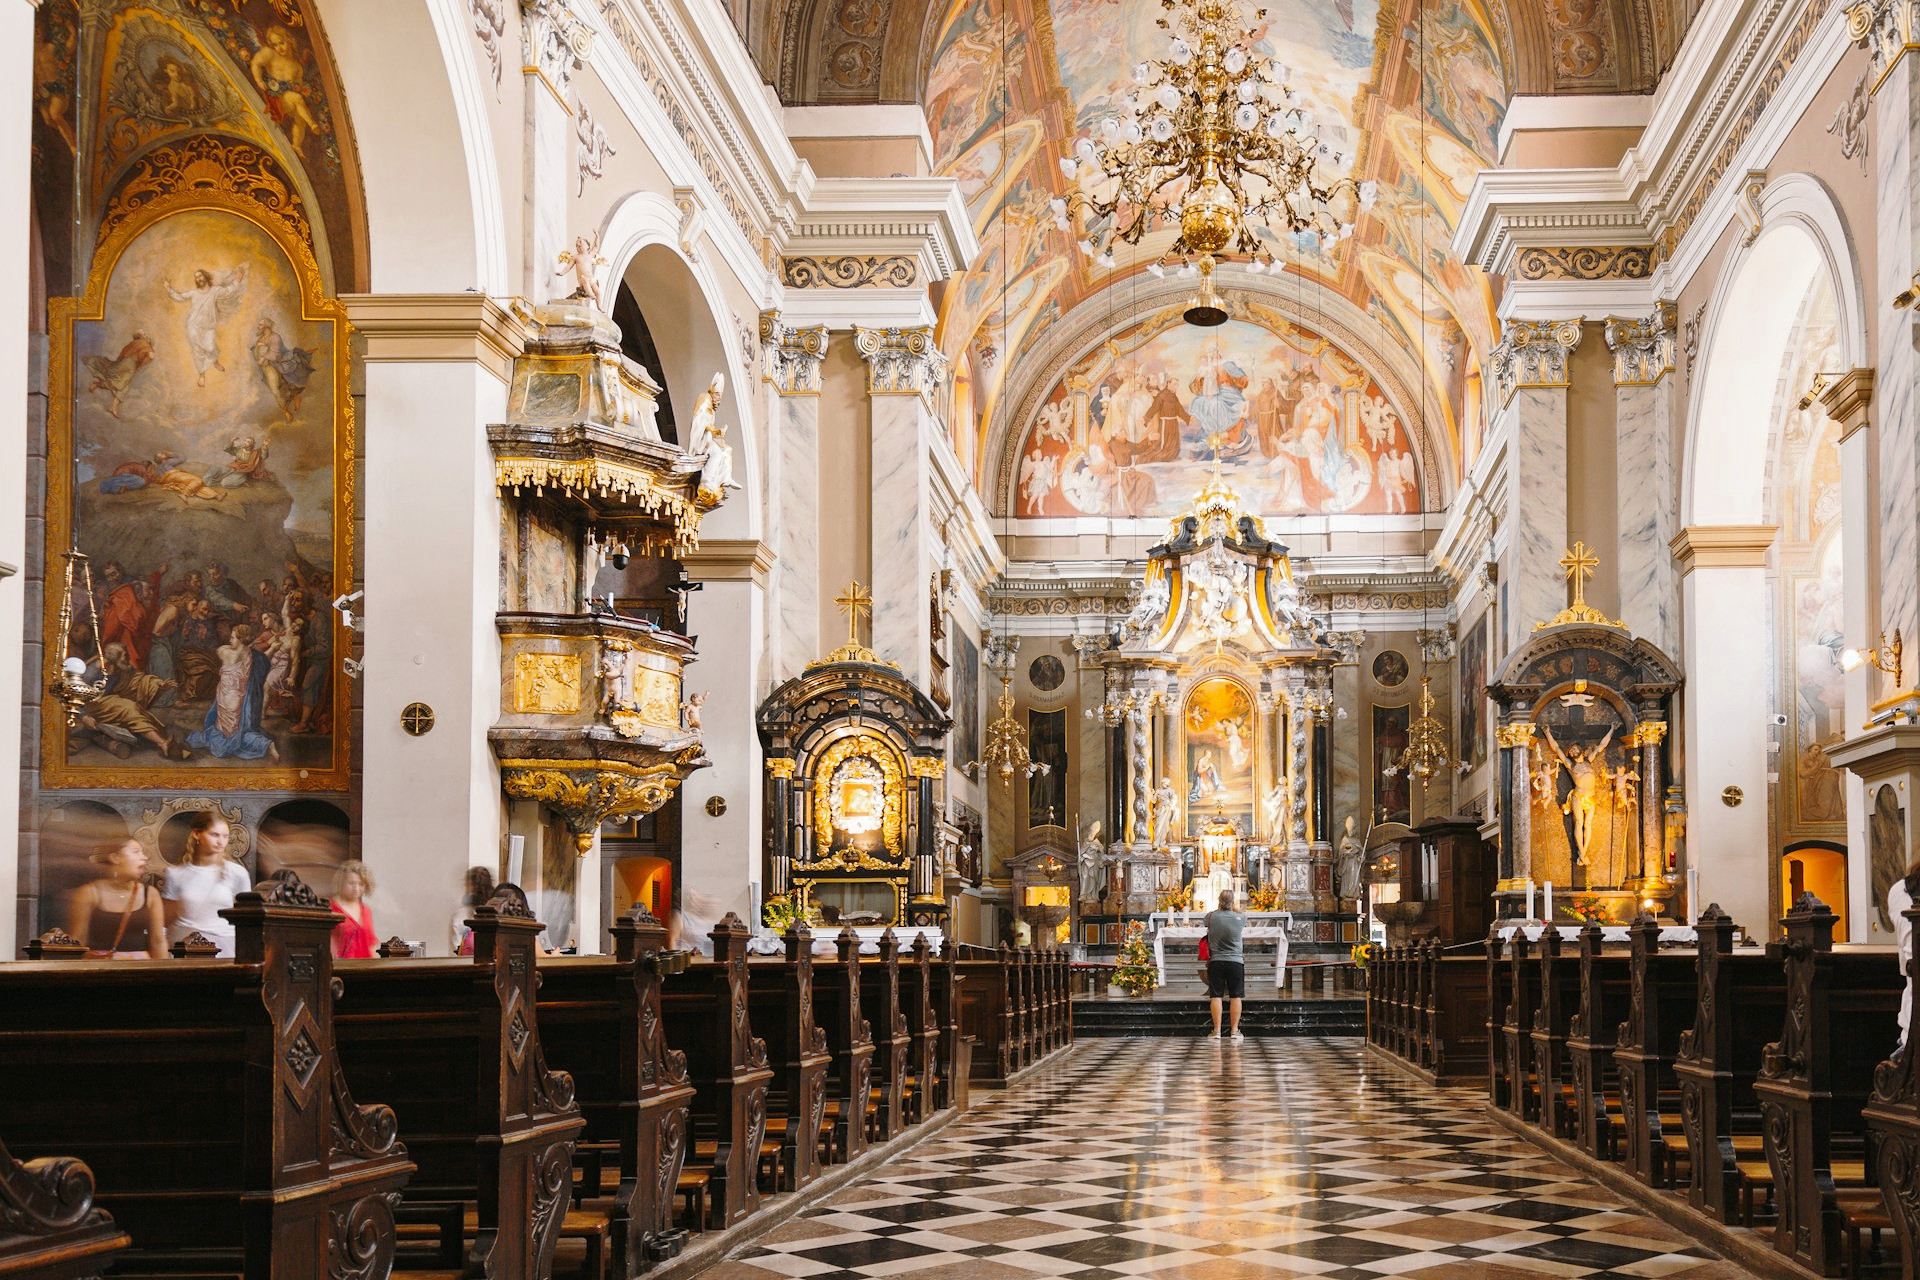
(1163, 1016)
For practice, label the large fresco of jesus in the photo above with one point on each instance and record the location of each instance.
(1299, 427)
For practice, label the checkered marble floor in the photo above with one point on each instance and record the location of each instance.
(1200, 1160)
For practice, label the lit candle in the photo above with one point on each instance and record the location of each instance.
(1694, 905)
(1547, 914)
(1530, 897)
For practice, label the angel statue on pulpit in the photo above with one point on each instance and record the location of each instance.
(1587, 769)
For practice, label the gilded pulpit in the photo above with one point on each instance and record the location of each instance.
(592, 724)
(853, 751)
(1583, 709)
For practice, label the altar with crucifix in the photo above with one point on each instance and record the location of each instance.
(1582, 709)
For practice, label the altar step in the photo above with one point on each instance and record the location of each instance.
(1161, 1016)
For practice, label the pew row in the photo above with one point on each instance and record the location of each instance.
(1426, 1010)
(1014, 1006)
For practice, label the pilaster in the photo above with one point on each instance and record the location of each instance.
(1848, 400)
(905, 374)
(554, 45)
(792, 359)
(1531, 366)
(1643, 350)
(16, 146)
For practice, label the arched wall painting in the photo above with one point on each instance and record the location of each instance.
(1300, 427)
(200, 453)
(1219, 728)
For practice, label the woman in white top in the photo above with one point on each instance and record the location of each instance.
(204, 884)
(1899, 899)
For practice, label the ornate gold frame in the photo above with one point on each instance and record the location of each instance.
(806, 883)
(62, 315)
(892, 817)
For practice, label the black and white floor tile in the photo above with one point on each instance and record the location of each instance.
(1198, 1160)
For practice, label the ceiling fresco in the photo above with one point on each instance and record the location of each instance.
(1409, 97)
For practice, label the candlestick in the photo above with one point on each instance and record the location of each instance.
(1530, 914)
(1547, 915)
(1694, 905)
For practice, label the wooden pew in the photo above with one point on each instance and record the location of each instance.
(1500, 1088)
(1742, 1004)
(456, 1044)
(1663, 996)
(780, 1000)
(601, 1016)
(49, 1229)
(1606, 992)
(1559, 993)
(256, 1160)
(1516, 1027)
(705, 1012)
(1457, 1012)
(952, 1084)
(892, 1043)
(923, 1029)
(1815, 1081)
(988, 1014)
(1894, 1115)
(836, 997)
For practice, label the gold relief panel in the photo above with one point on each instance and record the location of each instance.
(1586, 262)
(657, 694)
(854, 776)
(547, 683)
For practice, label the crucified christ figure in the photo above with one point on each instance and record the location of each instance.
(1587, 769)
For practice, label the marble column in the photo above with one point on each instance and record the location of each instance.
(905, 371)
(1848, 401)
(1887, 26)
(436, 370)
(1530, 366)
(1140, 773)
(793, 358)
(554, 41)
(720, 853)
(1724, 597)
(1516, 742)
(1642, 357)
(1653, 862)
(16, 146)
(1090, 760)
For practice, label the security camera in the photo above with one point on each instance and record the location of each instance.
(348, 619)
(1779, 721)
(619, 555)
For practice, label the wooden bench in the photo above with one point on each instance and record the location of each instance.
(923, 1029)
(952, 1084)
(456, 1044)
(1606, 992)
(1816, 1079)
(780, 999)
(1662, 998)
(49, 1228)
(892, 1043)
(255, 1159)
(1514, 1032)
(988, 1014)
(836, 998)
(1741, 1005)
(1893, 1113)
(601, 1016)
(705, 1012)
(1558, 985)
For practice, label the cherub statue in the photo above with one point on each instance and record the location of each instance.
(579, 262)
(690, 710)
(1149, 608)
(616, 676)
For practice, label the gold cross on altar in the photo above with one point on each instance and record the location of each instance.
(1579, 564)
(854, 602)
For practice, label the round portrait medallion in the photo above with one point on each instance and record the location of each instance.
(1047, 673)
(1390, 669)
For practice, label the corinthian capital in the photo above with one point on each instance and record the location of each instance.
(901, 361)
(1642, 349)
(1534, 353)
(1887, 28)
(792, 356)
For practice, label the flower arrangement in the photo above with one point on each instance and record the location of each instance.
(1180, 899)
(779, 914)
(1136, 974)
(1264, 898)
(1362, 953)
(1586, 908)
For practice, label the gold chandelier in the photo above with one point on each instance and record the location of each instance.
(1213, 141)
(1426, 754)
(1006, 750)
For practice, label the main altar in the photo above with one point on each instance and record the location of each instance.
(1218, 698)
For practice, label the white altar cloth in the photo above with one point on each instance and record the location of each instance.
(1570, 933)
(1262, 926)
(768, 943)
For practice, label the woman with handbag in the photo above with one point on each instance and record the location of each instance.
(114, 915)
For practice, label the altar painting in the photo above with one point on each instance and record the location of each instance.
(194, 438)
(1219, 725)
(1392, 793)
(1302, 427)
(1473, 690)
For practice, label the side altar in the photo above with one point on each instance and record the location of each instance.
(1586, 797)
(1219, 697)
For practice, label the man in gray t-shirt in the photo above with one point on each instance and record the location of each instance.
(1226, 963)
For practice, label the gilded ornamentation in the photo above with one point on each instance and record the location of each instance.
(780, 767)
(1652, 732)
(555, 42)
(1586, 262)
(1886, 27)
(583, 477)
(587, 793)
(792, 356)
(634, 697)
(227, 169)
(878, 755)
(546, 683)
(1750, 189)
(901, 361)
(928, 766)
(1510, 736)
(1534, 354)
(1642, 349)
(852, 272)
(1578, 565)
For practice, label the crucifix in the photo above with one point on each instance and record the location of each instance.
(855, 601)
(1579, 564)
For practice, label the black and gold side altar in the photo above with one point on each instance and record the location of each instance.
(592, 720)
(1582, 709)
(853, 750)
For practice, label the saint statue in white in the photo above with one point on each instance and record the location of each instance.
(1166, 808)
(1349, 864)
(1093, 867)
(707, 449)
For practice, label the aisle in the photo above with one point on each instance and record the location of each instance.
(1304, 1159)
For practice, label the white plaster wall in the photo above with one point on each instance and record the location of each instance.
(16, 66)
(1726, 740)
(431, 805)
(720, 856)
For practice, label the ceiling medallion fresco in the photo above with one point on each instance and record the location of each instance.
(1132, 430)
(1013, 82)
